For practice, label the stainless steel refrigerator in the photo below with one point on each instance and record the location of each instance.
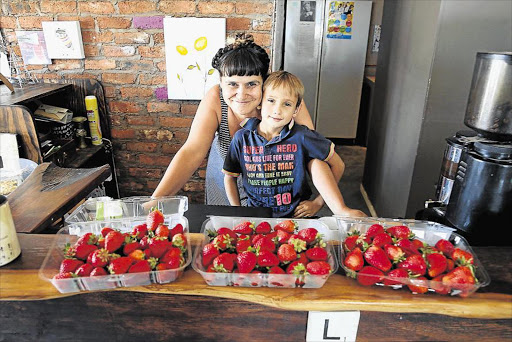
(325, 45)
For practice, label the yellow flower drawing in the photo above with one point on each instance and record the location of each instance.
(200, 43)
(181, 50)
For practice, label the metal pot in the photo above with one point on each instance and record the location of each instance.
(489, 109)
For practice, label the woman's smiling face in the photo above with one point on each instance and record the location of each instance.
(242, 93)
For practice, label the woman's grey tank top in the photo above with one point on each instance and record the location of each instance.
(215, 191)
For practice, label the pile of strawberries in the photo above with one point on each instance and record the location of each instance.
(395, 257)
(281, 249)
(149, 246)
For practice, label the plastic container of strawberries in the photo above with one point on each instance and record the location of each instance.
(263, 279)
(426, 231)
(134, 211)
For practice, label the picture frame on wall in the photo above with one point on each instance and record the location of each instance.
(63, 39)
(33, 47)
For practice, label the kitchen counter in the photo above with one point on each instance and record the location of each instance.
(189, 309)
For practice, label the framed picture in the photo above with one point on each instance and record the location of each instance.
(190, 44)
(33, 47)
(63, 39)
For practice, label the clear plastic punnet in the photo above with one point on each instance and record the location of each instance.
(123, 215)
(427, 232)
(214, 223)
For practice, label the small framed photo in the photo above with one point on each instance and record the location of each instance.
(33, 47)
(63, 39)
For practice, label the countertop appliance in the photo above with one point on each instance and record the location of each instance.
(325, 46)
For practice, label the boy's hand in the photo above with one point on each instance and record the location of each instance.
(307, 209)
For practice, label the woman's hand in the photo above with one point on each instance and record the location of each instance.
(308, 208)
(352, 213)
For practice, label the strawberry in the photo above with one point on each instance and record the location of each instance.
(162, 231)
(286, 253)
(297, 243)
(418, 243)
(263, 228)
(271, 235)
(418, 285)
(174, 262)
(318, 268)
(374, 229)
(395, 254)
(255, 238)
(162, 267)
(395, 277)
(376, 257)
(462, 257)
(178, 229)
(369, 275)
(98, 271)
(172, 253)
(407, 246)
(436, 263)
(288, 226)
(69, 265)
(84, 270)
(381, 239)
(144, 242)
(119, 265)
(154, 219)
(296, 268)
(130, 247)
(242, 245)
(282, 236)
(138, 254)
(301, 257)
(82, 251)
(139, 231)
(450, 265)
(65, 275)
(461, 278)
(113, 241)
(209, 253)
(140, 266)
(354, 260)
(246, 261)
(101, 242)
(100, 258)
(309, 235)
(265, 244)
(267, 259)
(276, 270)
(414, 264)
(158, 246)
(245, 227)
(228, 231)
(437, 285)
(400, 232)
(223, 263)
(87, 238)
(179, 240)
(223, 242)
(105, 231)
(446, 247)
(350, 242)
(317, 254)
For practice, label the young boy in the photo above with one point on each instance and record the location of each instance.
(272, 155)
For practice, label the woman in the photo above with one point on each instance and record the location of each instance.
(243, 66)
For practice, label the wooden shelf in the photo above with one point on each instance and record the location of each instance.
(30, 93)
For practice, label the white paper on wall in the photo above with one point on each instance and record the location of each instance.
(190, 44)
(63, 39)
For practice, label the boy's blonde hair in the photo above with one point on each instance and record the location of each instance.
(287, 80)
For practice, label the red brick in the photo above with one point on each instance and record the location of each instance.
(52, 76)
(158, 134)
(32, 22)
(174, 7)
(124, 107)
(154, 107)
(144, 173)
(254, 8)
(85, 22)
(152, 51)
(58, 6)
(123, 133)
(158, 38)
(11, 37)
(65, 64)
(262, 24)
(118, 51)
(189, 109)
(82, 76)
(142, 147)
(137, 65)
(131, 7)
(91, 50)
(161, 66)
(238, 24)
(152, 80)
(136, 120)
(216, 8)
(171, 148)
(131, 37)
(136, 92)
(144, 159)
(180, 136)
(175, 122)
(100, 64)
(97, 37)
(115, 23)
(118, 78)
(8, 22)
(21, 7)
(97, 7)
(262, 39)
(194, 186)
(110, 91)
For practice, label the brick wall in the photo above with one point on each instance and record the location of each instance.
(124, 49)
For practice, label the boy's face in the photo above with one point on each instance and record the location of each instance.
(278, 107)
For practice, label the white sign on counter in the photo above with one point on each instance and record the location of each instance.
(332, 326)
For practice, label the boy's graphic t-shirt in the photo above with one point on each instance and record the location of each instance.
(274, 172)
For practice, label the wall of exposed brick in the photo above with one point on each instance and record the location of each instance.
(124, 49)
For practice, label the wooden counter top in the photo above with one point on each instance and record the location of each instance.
(19, 280)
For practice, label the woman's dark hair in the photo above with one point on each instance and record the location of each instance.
(243, 57)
